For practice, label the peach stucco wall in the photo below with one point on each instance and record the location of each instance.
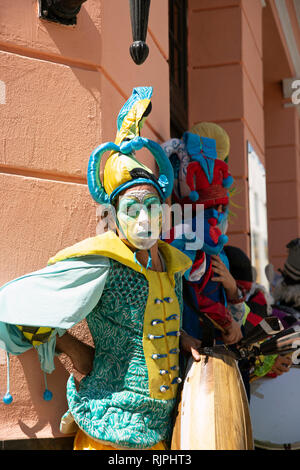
(226, 87)
(61, 90)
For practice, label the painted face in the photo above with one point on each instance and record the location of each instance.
(140, 217)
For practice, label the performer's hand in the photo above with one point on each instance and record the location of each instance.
(232, 334)
(190, 345)
(224, 277)
(281, 365)
(81, 354)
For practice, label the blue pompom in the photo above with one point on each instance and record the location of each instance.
(7, 399)
(47, 395)
(194, 196)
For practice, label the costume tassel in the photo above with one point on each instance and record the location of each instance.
(7, 399)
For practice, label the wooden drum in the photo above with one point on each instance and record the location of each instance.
(213, 412)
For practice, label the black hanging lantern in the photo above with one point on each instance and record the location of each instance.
(60, 11)
(139, 14)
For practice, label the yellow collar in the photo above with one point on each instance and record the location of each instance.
(110, 245)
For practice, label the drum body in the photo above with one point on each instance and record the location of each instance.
(275, 411)
(213, 412)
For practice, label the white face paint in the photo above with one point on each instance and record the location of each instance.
(140, 217)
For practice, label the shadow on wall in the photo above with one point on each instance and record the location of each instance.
(47, 414)
(40, 414)
(36, 417)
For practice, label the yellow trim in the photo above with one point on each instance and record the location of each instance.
(160, 287)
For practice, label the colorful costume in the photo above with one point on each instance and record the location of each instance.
(133, 313)
(202, 181)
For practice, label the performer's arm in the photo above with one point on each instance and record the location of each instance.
(81, 354)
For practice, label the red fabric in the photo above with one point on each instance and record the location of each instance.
(214, 233)
(259, 298)
(171, 237)
(198, 261)
(213, 193)
(244, 286)
(212, 221)
(205, 278)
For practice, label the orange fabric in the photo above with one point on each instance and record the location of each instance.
(84, 442)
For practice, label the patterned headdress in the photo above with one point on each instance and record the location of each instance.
(122, 169)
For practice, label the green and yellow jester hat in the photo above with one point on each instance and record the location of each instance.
(122, 169)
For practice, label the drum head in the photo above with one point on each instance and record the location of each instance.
(275, 411)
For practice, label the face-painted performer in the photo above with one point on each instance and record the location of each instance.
(202, 182)
(128, 287)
